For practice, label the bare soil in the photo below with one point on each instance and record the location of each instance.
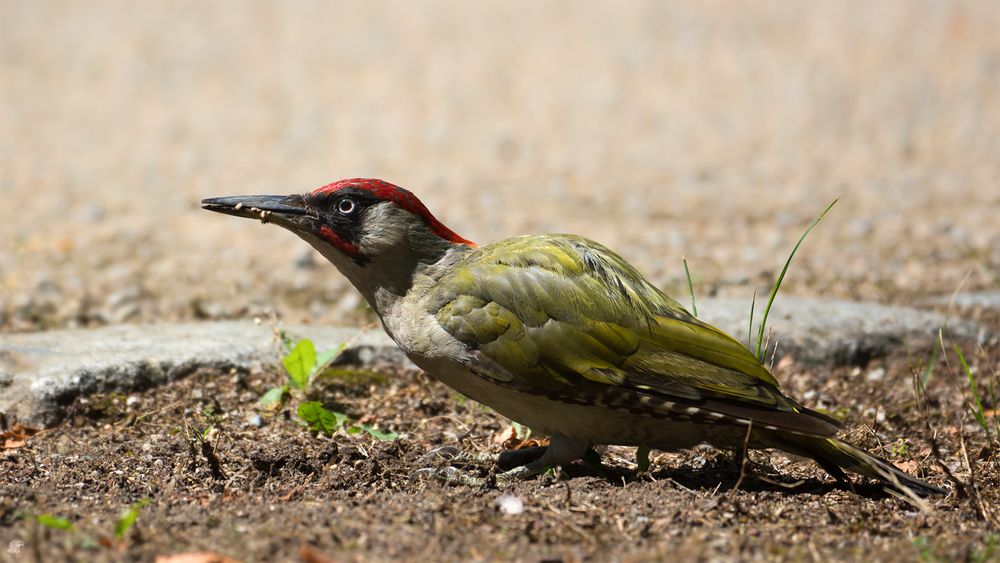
(713, 130)
(276, 492)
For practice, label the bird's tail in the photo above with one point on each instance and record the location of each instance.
(833, 455)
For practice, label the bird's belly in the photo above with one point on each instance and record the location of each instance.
(592, 424)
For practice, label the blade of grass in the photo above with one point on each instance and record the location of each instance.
(781, 277)
(931, 364)
(977, 407)
(753, 305)
(694, 306)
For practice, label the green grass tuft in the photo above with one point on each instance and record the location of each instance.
(694, 306)
(777, 284)
(976, 404)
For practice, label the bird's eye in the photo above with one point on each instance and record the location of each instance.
(346, 206)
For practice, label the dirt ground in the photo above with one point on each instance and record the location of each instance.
(273, 491)
(713, 130)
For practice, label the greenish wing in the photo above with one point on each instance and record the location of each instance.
(562, 315)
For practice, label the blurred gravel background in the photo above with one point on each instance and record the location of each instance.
(714, 130)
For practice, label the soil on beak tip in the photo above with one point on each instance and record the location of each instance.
(220, 480)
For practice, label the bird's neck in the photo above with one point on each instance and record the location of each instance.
(397, 272)
(389, 279)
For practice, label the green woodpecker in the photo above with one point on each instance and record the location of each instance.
(555, 332)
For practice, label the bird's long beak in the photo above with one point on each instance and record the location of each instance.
(288, 211)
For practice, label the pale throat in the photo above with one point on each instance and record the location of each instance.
(394, 271)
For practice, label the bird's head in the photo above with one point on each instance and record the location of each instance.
(368, 228)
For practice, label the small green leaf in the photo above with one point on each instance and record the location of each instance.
(54, 522)
(354, 430)
(326, 357)
(128, 518)
(642, 458)
(378, 434)
(299, 362)
(274, 396)
(319, 418)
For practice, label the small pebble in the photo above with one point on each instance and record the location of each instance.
(510, 504)
(256, 420)
(877, 374)
(306, 259)
(132, 400)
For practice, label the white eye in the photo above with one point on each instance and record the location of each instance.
(346, 206)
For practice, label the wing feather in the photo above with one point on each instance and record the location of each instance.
(560, 313)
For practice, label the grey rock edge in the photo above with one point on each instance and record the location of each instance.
(42, 373)
(983, 299)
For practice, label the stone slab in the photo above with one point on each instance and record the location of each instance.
(42, 373)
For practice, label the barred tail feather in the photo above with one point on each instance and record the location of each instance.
(832, 455)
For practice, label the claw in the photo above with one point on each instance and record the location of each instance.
(517, 465)
(511, 459)
(442, 453)
(453, 454)
(522, 473)
(448, 475)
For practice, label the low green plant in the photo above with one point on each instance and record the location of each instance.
(303, 365)
(54, 522)
(988, 552)
(123, 524)
(901, 449)
(925, 549)
(128, 518)
(319, 419)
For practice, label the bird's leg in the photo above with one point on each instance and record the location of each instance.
(560, 451)
(511, 459)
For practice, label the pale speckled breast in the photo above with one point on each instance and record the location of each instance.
(591, 424)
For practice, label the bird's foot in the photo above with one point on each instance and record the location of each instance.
(514, 465)
(456, 456)
(532, 462)
(448, 475)
(511, 462)
(445, 460)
